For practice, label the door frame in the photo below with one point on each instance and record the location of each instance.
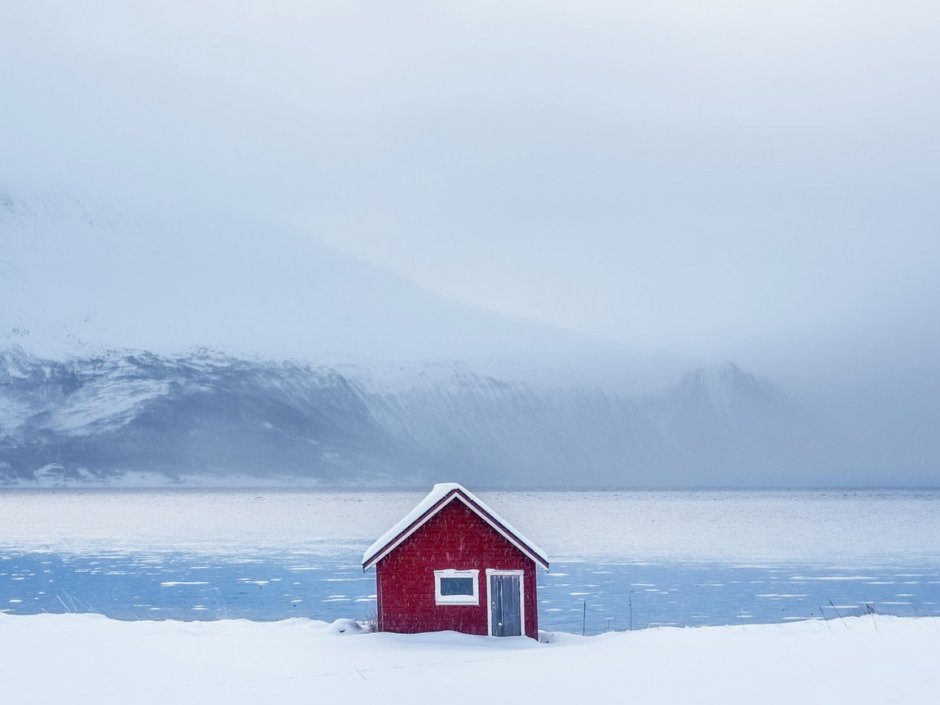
(489, 603)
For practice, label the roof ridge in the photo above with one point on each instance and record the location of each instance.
(440, 496)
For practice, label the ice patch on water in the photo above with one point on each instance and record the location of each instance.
(833, 578)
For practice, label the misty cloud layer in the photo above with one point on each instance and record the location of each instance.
(740, 181)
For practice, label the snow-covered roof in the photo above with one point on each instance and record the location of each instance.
(439, 497)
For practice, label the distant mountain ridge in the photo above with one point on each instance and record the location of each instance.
(212, 416)
(312, 366)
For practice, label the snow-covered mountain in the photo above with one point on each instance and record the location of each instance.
(732, 422)
(179, 345)
(209, 416)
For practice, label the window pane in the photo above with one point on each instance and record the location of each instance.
(457, 586)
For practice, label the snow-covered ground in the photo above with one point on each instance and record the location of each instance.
(84, 658)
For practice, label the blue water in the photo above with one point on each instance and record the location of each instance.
(595, 596)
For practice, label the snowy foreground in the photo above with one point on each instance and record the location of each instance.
(82, 658)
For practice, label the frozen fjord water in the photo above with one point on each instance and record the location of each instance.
(605, 596)
(836, 527)
(620, 558)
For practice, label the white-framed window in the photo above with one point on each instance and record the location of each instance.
(457, 587)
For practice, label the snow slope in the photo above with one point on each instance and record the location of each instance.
(89, 659)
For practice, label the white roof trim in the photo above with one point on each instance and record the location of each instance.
(392, 538)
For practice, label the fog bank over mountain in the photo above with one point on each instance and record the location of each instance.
(743, 181)
(180, 348)
(81, 276)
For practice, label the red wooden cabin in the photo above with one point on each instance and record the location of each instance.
(453, 563)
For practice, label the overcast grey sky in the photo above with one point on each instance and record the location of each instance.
(743, 179)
